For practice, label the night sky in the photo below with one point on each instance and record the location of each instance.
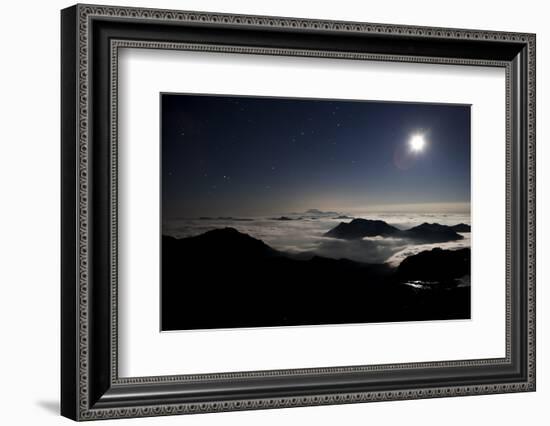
(249, 156)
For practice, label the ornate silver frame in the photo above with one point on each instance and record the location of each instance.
(91, 387)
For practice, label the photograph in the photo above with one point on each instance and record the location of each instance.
(280, 211)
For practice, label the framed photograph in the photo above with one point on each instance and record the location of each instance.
(263, 212)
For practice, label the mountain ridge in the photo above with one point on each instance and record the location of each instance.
(426, 232)
(226, 279)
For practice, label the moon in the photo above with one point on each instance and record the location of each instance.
(417, 143)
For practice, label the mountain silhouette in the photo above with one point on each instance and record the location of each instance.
(360, 228)
(431, 233)
(318, 212)
(461, 227)
(437, 265)
(227, 243)
(425, 233)
(225, 279)
(283, 218)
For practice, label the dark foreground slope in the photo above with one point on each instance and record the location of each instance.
(225, 279)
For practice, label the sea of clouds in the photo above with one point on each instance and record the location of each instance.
(304, 234)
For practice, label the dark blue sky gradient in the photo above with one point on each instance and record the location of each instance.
(246, 156)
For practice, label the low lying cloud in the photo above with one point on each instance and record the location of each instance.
(413, 249)
(366, 251)
(307, 236)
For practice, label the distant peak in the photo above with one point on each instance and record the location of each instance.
(360, 228)
(461, 227)
(321, 212)
(432, 232)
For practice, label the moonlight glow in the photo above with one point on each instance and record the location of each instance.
(417, 143)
